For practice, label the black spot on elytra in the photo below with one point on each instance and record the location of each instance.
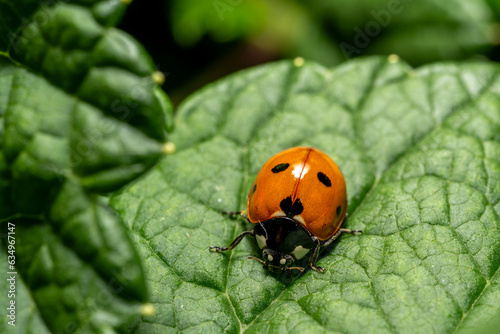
(297, 208)
(339, 211)
(291, 209)
(324, 179)
(280, 167)
(286, 205)
(254, 188)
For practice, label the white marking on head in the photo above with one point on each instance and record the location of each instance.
(299, 252)
(270, 257)
(261, 241)
(283, 261)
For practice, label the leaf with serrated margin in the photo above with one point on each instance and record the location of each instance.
(81, 115)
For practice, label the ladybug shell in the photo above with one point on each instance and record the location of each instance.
(304, 184)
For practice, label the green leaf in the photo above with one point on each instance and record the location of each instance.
(27, 316)
(223, 21)
(81, 115)
(418, 31)
(64, 290)
(420, 153)
(332, 31)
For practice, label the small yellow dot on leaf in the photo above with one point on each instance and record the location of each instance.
(298, 62)
(393, 58)
(148, 309)
(169, 147)
(158, 77)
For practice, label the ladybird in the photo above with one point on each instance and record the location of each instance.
(297, 203)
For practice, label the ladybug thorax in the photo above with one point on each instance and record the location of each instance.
(282, 241)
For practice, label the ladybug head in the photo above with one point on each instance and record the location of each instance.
(276, 261)
(283, 241)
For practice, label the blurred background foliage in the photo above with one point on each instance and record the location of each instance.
(198, 41)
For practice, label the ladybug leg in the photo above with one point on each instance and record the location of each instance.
(339, 232)
(314, 256)
(233, 244)
(351, 231)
